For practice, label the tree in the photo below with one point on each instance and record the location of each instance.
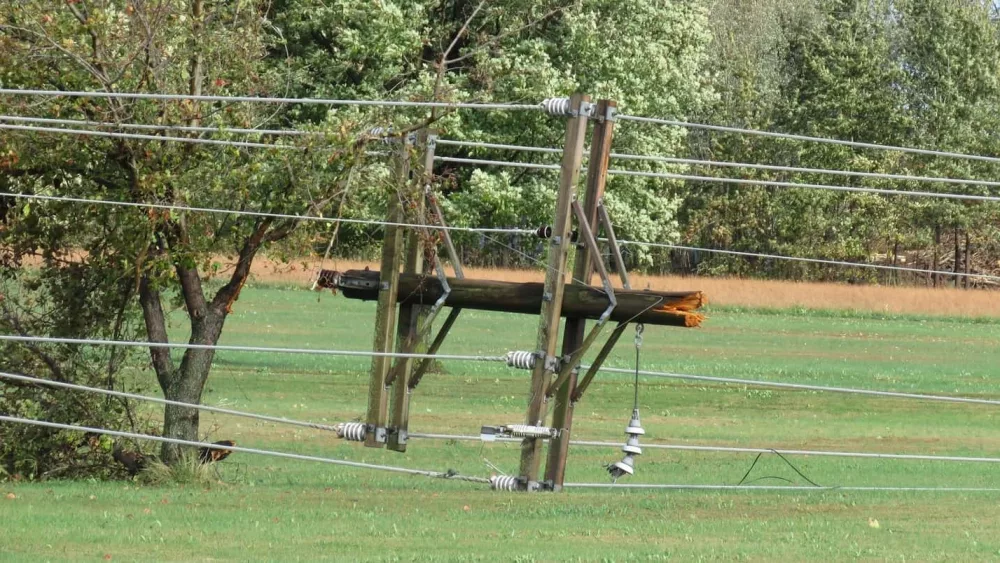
(509, 50)
(161, 257)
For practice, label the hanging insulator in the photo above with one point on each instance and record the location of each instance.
(556, 106)
(504, 483)
(545, 232)
(521, 359)
(352, 431)
(632, 446)
(622, 468)
(634, 426)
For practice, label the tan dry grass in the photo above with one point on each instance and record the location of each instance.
(726, 291)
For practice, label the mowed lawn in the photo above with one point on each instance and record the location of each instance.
(266, 508)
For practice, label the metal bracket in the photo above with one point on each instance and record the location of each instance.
(586, 109)
(588, 238)
(616, 251)
(380, 434)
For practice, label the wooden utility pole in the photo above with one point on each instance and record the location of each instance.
(385, 314)
(555, 278)
(411, 316)
(583, 270)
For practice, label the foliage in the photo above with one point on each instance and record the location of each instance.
(920, 73)
(513, 50)
(31, 305)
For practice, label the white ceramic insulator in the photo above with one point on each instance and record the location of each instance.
(556, 106)
(352, 431)
(521, 359)
(504, 483)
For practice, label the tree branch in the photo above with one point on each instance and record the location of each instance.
(156, 329)
(224, 298)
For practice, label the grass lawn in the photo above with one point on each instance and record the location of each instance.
(267, 508)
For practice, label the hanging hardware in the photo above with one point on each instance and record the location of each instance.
(631, 448)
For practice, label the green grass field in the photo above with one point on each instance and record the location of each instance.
(272, 509)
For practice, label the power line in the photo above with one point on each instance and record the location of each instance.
(774, 183)
(234, 348)
(694, 178)
(140, 136)
(300, 457)
(272, 100)
(498, 163)
(124, 395)
(792, 137)
(805, 387)
(797, 488)
(448, 142)
(141, 205)
(818, 453)
(729, 449)
(811, 260)
(878, 175)
(518, 231)
(153, 127)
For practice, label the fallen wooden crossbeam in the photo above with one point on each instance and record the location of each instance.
(675, 308)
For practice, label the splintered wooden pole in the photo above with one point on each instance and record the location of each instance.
(555, 279)
(385, 313)
(583, 269)
(408, 337)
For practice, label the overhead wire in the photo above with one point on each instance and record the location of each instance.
(796, 488)
(146, 398)
(802, 170)
(498, 359)
(160, 127)
(727, 180)
(806, 387)
(803, 185)
(793, 137)
(812, 260)
(141, 136)
(169, 207)
(726, 164)
(237, 348)
(729, 449)
(450, 475)
(272, 100)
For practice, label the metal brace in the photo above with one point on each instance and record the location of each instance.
(587, 109)
(587, 236)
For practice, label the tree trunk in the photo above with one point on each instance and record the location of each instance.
(187, 384)
(958, 259)
(968, 260)
(937, 243)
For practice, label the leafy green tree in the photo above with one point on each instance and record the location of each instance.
(152, 256)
